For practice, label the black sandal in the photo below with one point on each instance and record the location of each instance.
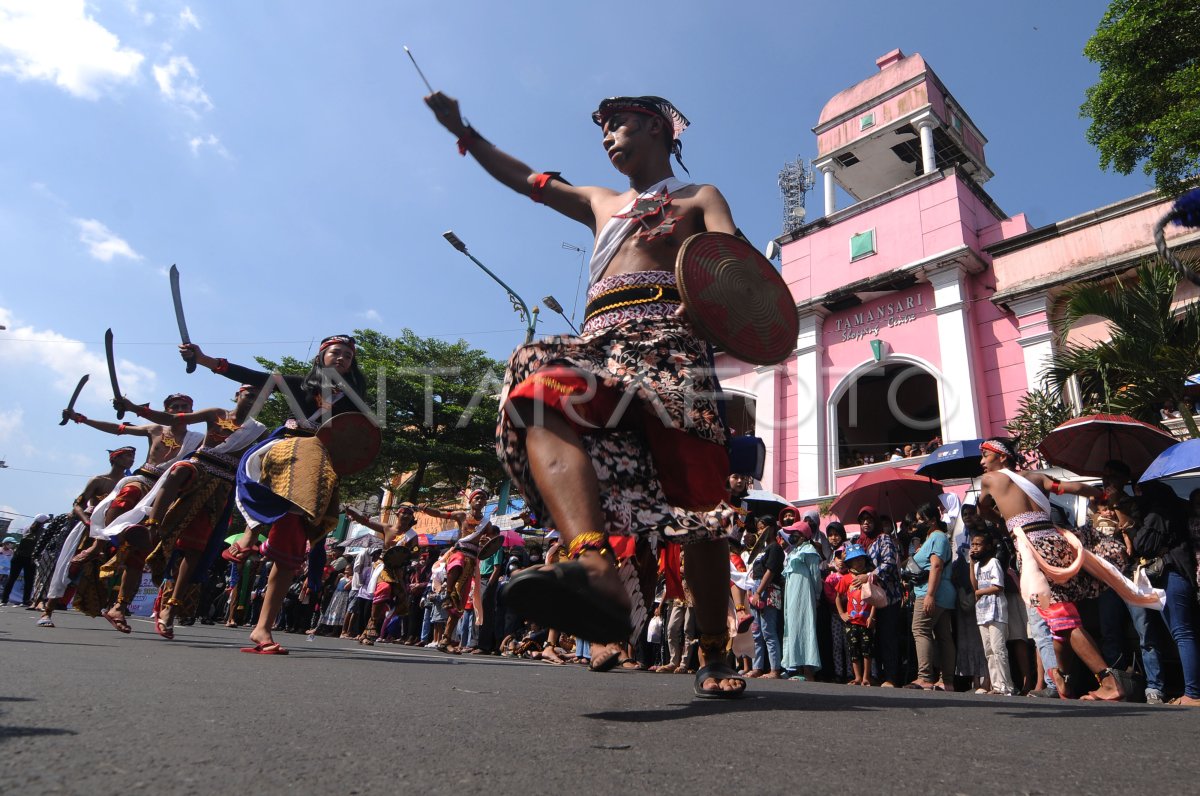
(717, 670)
(564, 599)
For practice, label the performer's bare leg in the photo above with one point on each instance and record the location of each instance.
(708, 573)
(557, 457)
(138, 538)
(172, 482)
(1083, 646)
(183, 579)
(278, 583)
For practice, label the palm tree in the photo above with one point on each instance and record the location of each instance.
(1150, 352)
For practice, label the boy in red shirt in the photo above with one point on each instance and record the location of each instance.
(857, 614)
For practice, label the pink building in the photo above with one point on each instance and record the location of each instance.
(924, 308)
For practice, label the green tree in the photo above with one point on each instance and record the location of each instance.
(1150, 352)
(1040, 413)
(1146, 106)
(441, 406)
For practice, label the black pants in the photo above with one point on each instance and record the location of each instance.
(492, 621)
(24, 564)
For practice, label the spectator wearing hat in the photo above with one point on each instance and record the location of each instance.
(22, 561)
(857, 615)
(802, 591)
(882, 550)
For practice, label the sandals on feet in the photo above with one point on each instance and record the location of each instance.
(269, 648)
(562, 597)
(119, 624)
(45, 621)
(717, 670)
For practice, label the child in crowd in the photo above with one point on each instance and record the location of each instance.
(836, 567)
(991, 609)
(857, 614)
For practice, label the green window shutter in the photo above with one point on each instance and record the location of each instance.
(862, 245)
(866, 120)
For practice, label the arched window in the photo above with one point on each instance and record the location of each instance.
(883, 410)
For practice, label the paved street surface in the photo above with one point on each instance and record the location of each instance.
(86, 710)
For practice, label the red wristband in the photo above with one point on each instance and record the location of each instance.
(221, 366)
(1056, 487)
(79, 418)
(121, 428)
(464, 142)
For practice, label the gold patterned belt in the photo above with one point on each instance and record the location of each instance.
(631, 296)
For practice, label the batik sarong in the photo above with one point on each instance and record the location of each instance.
(638, 387)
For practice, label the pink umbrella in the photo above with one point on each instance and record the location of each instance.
(890, 490)
(512, 539)
(1083, 444)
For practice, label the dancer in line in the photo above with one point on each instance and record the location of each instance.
(614, 432)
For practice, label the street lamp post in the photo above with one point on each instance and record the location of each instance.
(522, 309)
(554, 306)
(519, 305)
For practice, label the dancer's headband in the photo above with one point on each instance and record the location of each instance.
(650, 106)
(116, 454)
(177, 396)
(343, 339)
(1000, 447)
(476, 492)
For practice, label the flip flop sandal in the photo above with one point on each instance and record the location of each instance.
(717, 670)
(236, 553)
(163, 630)
(563, 598)
(119, 624)
(45, 621)
(604, 664)
(270, 648)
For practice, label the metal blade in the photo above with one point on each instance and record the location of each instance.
(112, 369)
(180, 320)
(74, 397)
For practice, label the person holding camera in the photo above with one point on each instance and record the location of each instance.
(934, 599)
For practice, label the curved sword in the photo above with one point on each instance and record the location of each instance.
(177, 298)
(75, 395)
(112, 369)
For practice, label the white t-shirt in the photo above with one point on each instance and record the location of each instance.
(990, 607)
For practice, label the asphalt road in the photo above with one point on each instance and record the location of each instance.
(86, 710)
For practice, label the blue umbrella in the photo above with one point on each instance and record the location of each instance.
(1182, 457)
(953, 460)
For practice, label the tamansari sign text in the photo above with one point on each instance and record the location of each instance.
(867, 319)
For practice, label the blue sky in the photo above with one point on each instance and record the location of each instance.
(280, 154)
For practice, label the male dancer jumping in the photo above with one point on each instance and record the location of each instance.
(194, 498)
(78, 567)
(612, 434)
(1053, 564)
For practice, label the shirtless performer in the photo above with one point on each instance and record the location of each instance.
(390, 588)
(462, 564)
(193, 500)
(168, 443)
(1055, 570)
(609, 434)
(78, 567)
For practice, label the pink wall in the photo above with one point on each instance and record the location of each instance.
(885, 112)
(1082, 245)
(939, 217)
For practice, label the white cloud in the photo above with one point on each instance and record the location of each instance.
(178, 82)
(10, 421)
(199, 142)
(30, 351)
(102, 242)
(58, 41)
(188, 19)
(373, 316)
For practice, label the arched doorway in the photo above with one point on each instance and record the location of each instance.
(739, 412)
(881, 408)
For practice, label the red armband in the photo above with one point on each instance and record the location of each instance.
(540, 182)
(1056, 487)
(121, 428)
(221, 366)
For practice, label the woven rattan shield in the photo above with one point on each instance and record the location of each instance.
(736, 299)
